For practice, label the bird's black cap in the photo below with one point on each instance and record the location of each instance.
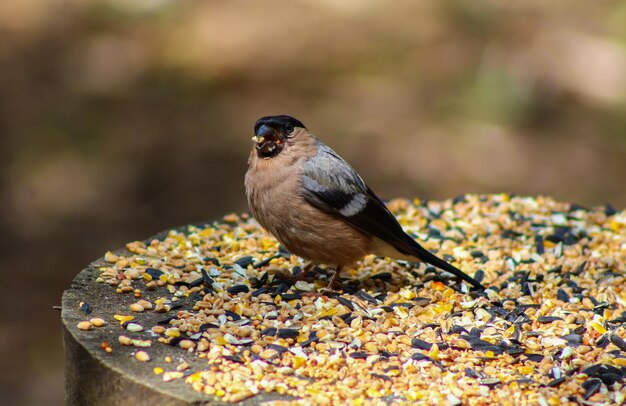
(277, 122)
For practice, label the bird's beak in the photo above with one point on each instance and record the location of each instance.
(262, 133)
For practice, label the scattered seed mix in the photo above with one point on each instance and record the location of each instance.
(549, 330)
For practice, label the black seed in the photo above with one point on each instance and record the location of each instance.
(562, 295)
(383, 276)
(457, 329)
(283, 251)
(448, 258)
(576, 207)
(345, 302)
(563, 234)
(291, 296)
(359, 355)
(590, 371)
(491, 382)
(233, 290)
(477, 254)
(207, 279)
(479, 275)
(470, 373)
(196, 282)
(556, 382)
(281, 349)
(174, 341)
(366, 296)
(556, 269)
(280, 289)
(478, 344)
(548, 319)
(213, 261)
(260, 291)
(311, 339)
(515, 350)
(430, 269)
(579, 269)
(609, 210)
(418, 356)
(206, 326)
(573, 338)
(603, 341)
(609, 378)
(614, 370)
(618, 342)
(183, 283)
(235, 358)
(534, 357)
(421, 344)
(269, 331)
(85, 308)
(331, 294)
(166, 321)
(245, 261)
(444, 346)
(288, 333)
(383, 377)
(264, 278)
(233, 315)
(601, 306)
(511, 234)
(539, 244)
(176, 305)
(591, 386)
(421, 301)
(264, 262)
(405, 305)
(434, 234)
(155, 273)
(347, 317)
(459, 199)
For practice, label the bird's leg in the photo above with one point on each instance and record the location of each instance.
(333, 280)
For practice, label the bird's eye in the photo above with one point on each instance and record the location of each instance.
(288, 129)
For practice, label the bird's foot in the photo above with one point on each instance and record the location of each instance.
(334, 281)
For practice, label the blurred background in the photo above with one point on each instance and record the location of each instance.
(121, 118)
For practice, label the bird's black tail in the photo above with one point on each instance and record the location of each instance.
(426, 256)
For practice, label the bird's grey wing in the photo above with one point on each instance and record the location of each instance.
(333, 186)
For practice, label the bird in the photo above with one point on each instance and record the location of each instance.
(318, 207)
